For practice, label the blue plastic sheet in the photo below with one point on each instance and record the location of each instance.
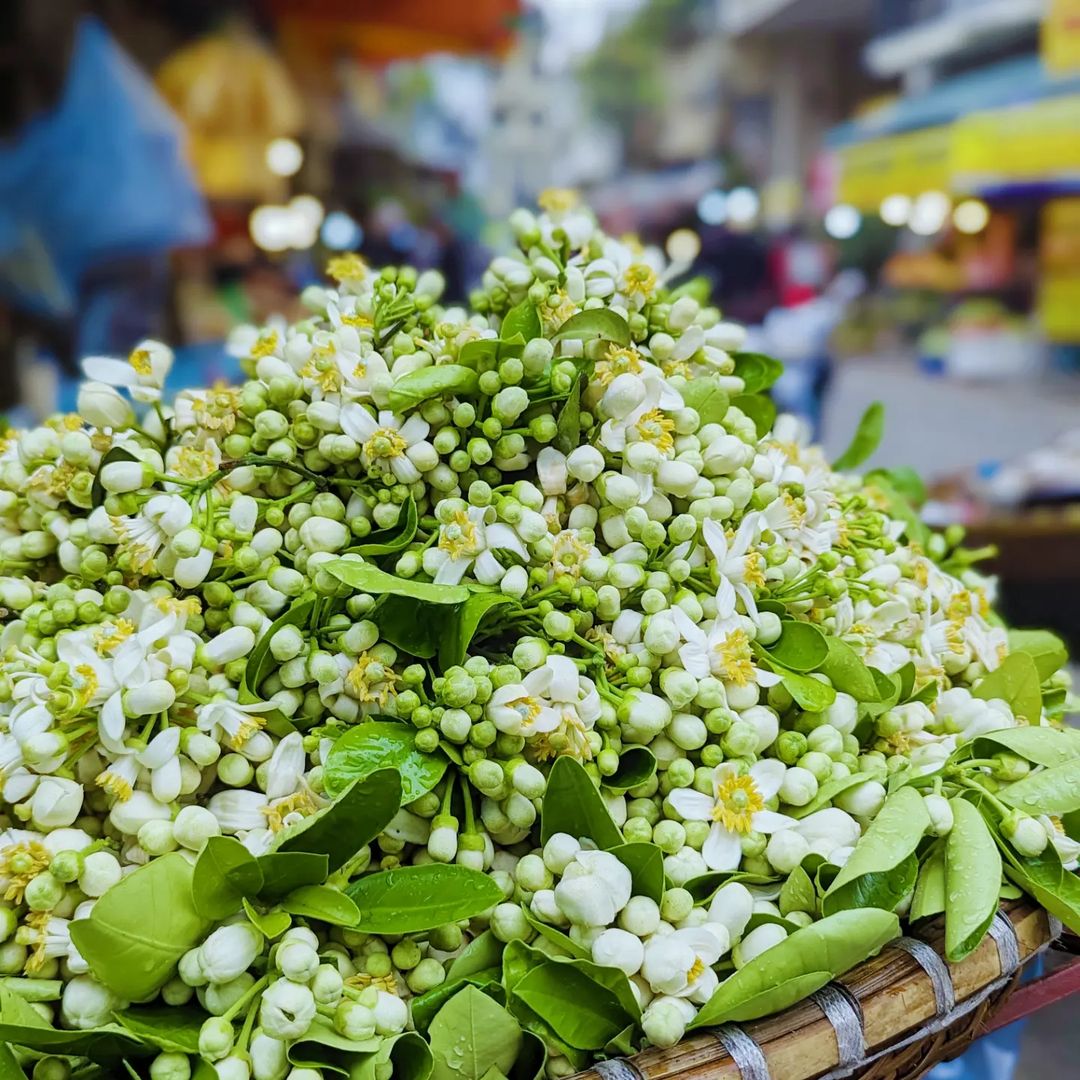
(101, 176)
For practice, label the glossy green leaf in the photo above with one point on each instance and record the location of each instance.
(478, 964)
(802, 963)
(801, 646)
(702, 887)
(324, 1048)
(705, 396)
(882, 868)
(437, 380)
(414, 626)
(646, 865)
(1016, 681)
(562, 942)
(866, 439)
(757, 370)
(522, 319)
(352, 820)
(168, 1027)
(324, 903)
(414, 898)
(1046, 881)
(372, 745)
(1045, 648)
(471, 1035)
(396, 538)
(596, 324)
(367, 578)
(139, 929)
(847, 671)
(461, 628)
(929, 898)
(568, 426)
(284, 871)
(20, 1025)
(760, 409)
(484, 951)
(10, 1069)
(637, 764)
(972, 879)
(1053, 791)
(402, 1057)
(1041, 745)
(573, 805)
(260, 661)
(578, 1009)
(225, 872)
(480, 353)
(798, 893)
(271, 924)
(809, 693)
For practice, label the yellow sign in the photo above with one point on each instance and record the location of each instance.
(905, 164)
(1060, 37)
(1036, 142)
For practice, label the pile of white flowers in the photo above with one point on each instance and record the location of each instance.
(468, 544)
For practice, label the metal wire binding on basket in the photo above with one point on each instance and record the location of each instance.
(862, 1027)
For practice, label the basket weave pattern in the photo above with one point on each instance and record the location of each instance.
(891, 1018)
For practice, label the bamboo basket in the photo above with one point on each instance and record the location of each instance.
(891, 1018)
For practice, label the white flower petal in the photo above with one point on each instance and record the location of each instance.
(722, 849)
(692, 805)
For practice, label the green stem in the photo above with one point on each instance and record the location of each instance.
(252, 991)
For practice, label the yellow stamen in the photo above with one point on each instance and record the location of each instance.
(266, 345)
(20, 864)
(558, 200)
(106, 640)
(349, 267)
(656, 428)
(217, 411)
(639, 280)
(734, 657)
(358, 320)
(378, 689)
(754, 569)
(302, 803)
(459, 537)
(171, 605)
(556, 309)
(385, 443)
(140, 361)
(697, 969)
(381, 982)
(115, 785)
(247, 728)
(618, 360)
(737, 801)
(360, 371)
(89, 684)
(37, 921)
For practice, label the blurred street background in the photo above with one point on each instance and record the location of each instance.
(886, 191)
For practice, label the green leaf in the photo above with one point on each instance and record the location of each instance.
(596, 324)
(437, 380)
(461, 629)
(478, 964)
(847, 672)
(284, 871)
(573, 805)
(1042, 745)
(367, 578)
(322, 1047)
(414, 898)
(798, 893)
(578, 1009)
(480, 352)
(413, 626)
(372, 745)
(1046, 649)
(97, 489)
(1046, 881)
(809, 693)
(882, 868)
(636, 765)
(139, 929)
(1016, 681)
(169, 1028)
(396, 538)
(972, 880)
(403, 1057)
(322, 902)
(800, 964)
(563, 942)
(757, 370)
(800, 647)
(1053, 791)
(646, 865)
(260, 660)
(471, 1035)
(352, 820)
(866, 439)
(702, 887)
(759, 408)
(484, 951)
(900, 506)
(20, 1025)
(521, 319)
(9, 1066)
(270, 924)
(705, 396)
(225, 873)
(929, 898)
(568, 427)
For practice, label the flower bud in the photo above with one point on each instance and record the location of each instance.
(194, 825)
(170, 1066)
(229, 951)
(327, 984)
(391, 1014)
(1024, 833)
(324, 534)
(786, 850)
(87, 1004)
(756, 942)
(269, 1060)
(55, 802)
(618, 949)
(216, 1038)
(664, 1021)
(559, 852)
(233, 644)
(287, 1009)
(354, 1021)
(508, 923)
(940, 813)
(100, 872)
(731, 907)
(120, 476)
(862, 800)
(297, 961)
(155, 696)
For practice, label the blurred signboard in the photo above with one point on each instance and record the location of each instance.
(905, 164)
(1060, 37)
(1059, 270)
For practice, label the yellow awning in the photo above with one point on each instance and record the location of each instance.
(905, 164)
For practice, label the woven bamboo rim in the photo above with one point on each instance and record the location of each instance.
(905, 1026)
